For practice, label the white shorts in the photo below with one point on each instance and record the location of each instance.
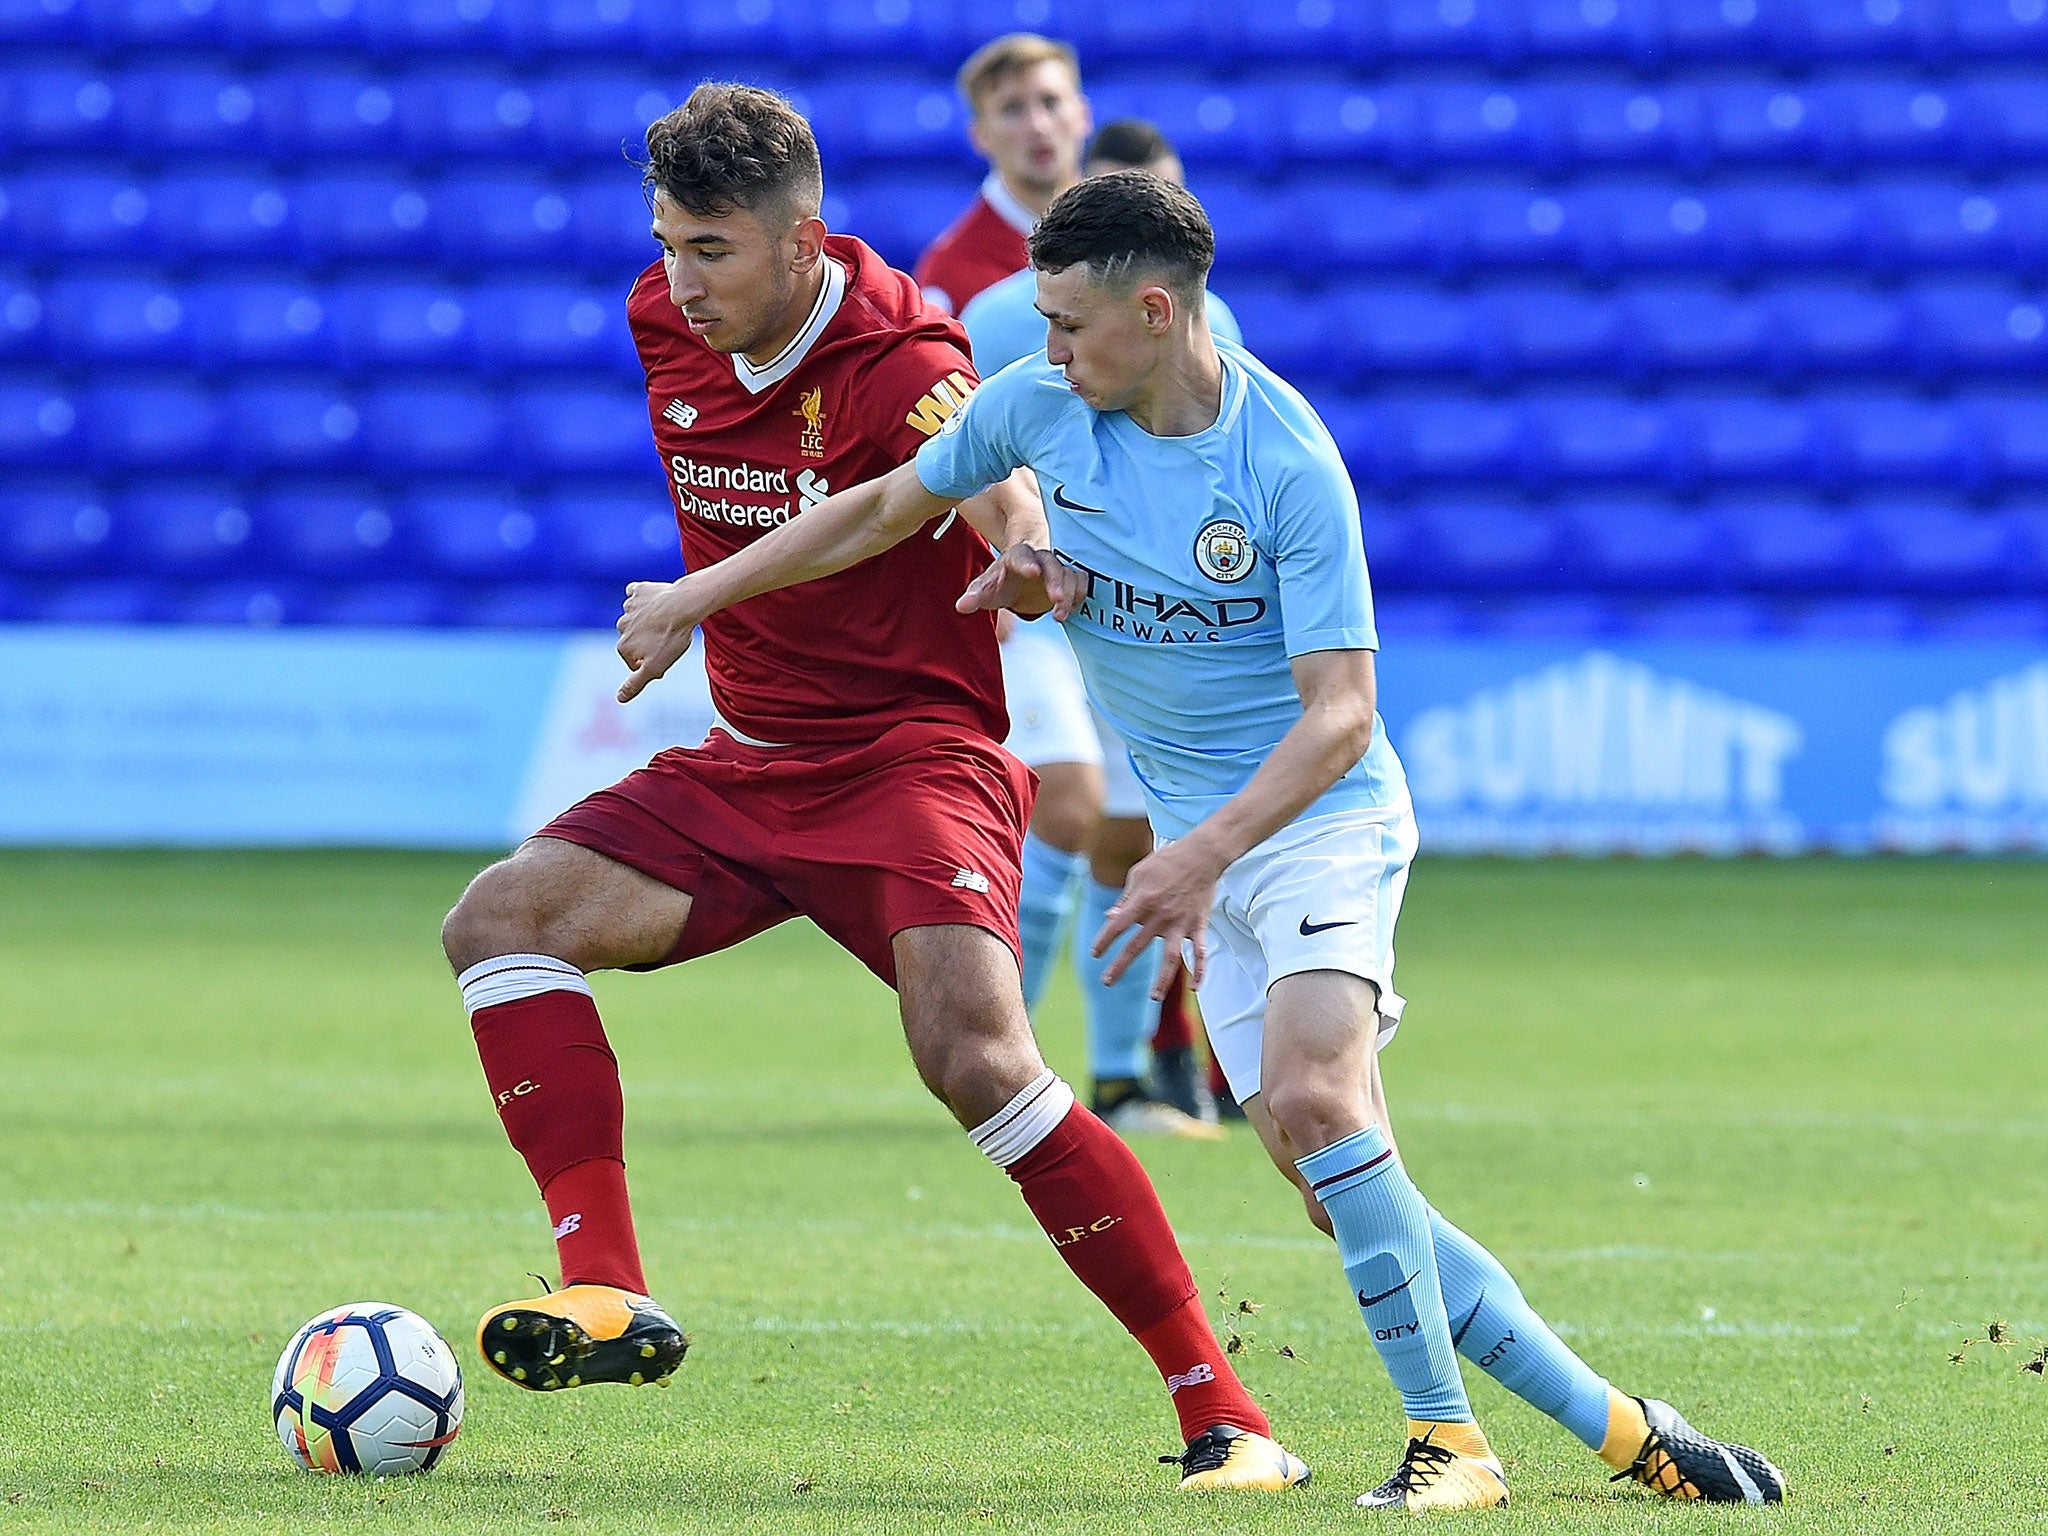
(1318, 895)
(1050, 721)
(1123, 795)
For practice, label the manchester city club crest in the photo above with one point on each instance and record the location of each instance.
(1223, 549)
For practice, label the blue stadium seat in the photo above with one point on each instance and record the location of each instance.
(1592, 29)
(553, 325)
(151, 423)
(613, 532)
(2015, 29)
(1448, 30)
(888, 117)
(480, 221)
(2013, 431)
(1407, 616)
(1900, 120)
(56, 106)
(1638, 545)
(1976, 327)
(1343, 121)
(1786, 543)
(342, 113)
(1445, 437)
(255, 604)
(1701, 619)
(207, 110)
(1828, 327)
(1285, 327)
(1936, 223)
(2007, 121)
(1727, 439)
(1833, 31)
(1886, 440)
(152, 24)
(430, 426)
(1935, 546)
(1364, 223)
(55, 527)
(1853, 619)
(1487, 544)
(329, 530)
(41, 23)
(83, 213)
(1654, 226)
(550, 28)
(1536, 328)
(2025, 205)
(1492, 123)
(263, 26)
(1324, 31)
(1156, 30)
(897, 216)
(1577, 438)
(1493, 227)
(1771, 122)
(2004, 621)
(1724, 29)
(1633, 125)
(407, 27)
(751, 28)
(185, 528)
(38, 421)
(582, 430)
(597, 117)
(608, 224)
(2028, 518)
(1396, 547)
(117, 320)
(99, 600)
(399, 604)
(304, 423)
(1795, 224)
(22, 316)
(258, 320)
(1251, 224)
(240, 213)
(461, 114)
(1210, 123)
(543, 605)
(361, 216)
(1566, 616)
(891, 30)
(377, 325)
(484, 532)
(1398, 328)
(1693, 328)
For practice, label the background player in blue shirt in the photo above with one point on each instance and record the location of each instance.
(1214, 585)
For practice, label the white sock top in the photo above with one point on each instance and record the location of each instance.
(508, 978)
(1009, 1135)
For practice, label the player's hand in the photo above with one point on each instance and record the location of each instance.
(1027, 581)
(654, 631)
(1167, 896)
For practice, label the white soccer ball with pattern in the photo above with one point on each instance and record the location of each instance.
(367, 1388)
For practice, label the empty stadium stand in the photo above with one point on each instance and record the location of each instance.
(1678, 318)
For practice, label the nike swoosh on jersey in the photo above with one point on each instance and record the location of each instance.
(1308, 927)
(1059, 499)
(1367, 1301)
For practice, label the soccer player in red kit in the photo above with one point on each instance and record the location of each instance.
(1027, 115)
(854, 777)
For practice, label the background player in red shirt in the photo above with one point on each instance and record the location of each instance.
(1027, 115)
(855, 777)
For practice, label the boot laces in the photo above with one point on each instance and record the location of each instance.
(1421, 1465)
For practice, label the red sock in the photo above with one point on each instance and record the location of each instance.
(556, 1085)
(1218, 1083)
(1176, 1030)
(1092, 1196)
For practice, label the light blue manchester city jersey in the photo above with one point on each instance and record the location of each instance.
(1003, 322)
(1212, 560)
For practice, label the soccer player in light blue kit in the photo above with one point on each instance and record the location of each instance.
(1211, 575)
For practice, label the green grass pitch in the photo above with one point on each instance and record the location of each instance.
(1766, 1139)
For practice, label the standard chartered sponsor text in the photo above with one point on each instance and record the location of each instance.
(693, 475)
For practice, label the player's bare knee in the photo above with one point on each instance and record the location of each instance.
(485, 922)
(1065, 814)
(1310, 1110)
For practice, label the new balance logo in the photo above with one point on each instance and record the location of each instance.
(968, 880)
(1199, 1376)
(569, 1223)
(682, 415)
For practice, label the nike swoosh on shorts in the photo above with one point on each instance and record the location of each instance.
(1308, 928)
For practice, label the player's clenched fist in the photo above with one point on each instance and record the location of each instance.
(654, 631)
(1027, 581)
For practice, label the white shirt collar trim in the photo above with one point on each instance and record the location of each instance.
(1008, 209)
(784, 363)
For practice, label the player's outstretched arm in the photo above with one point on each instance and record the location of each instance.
(1168, 895)
(839, 531)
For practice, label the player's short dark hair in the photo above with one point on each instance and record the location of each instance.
(735, 146)
(1129, 141)
(1126, 224)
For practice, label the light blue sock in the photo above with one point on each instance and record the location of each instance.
(1382, 1226)
(1044, 903)
(1120, 1018)
(1500, 1333)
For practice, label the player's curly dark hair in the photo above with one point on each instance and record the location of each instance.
(1124, 225)
(734, 146)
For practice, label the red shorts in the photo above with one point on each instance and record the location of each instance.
(922, 827)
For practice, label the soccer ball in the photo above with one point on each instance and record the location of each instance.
(367, 1388)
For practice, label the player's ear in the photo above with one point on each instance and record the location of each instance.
(1160, 308)
(808, 242)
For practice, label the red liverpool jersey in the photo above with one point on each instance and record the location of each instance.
(982, 247)
(873, 373)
